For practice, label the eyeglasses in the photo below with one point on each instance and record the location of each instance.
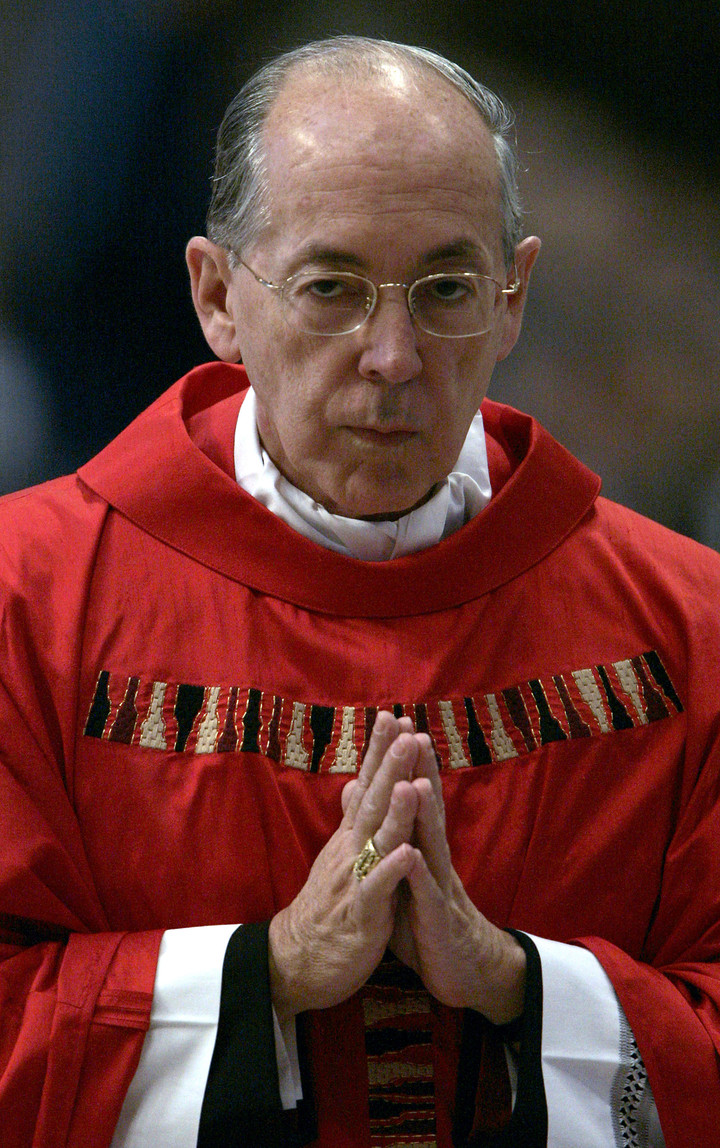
(451, 305)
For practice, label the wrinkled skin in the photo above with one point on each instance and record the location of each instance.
(325, 945)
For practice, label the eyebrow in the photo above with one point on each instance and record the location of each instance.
(457, 249)
(338, 258)
(329, 256)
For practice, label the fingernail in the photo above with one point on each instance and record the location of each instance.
(398, 749)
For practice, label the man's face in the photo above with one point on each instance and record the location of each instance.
(392, 184)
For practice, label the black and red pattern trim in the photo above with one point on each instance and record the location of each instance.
(398, 1041)
(466, 731)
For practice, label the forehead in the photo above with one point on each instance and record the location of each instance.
(381, 161)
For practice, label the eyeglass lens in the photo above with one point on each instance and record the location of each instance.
(454, 305)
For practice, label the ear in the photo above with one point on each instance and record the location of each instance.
(526, 253)
(210, 282)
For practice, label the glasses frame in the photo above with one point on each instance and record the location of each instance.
(376, 289)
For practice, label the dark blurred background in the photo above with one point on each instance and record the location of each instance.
(108, 111)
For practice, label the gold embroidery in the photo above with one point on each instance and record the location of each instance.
(380, 1072)
(513, 722)
(152, 733)
(501, 740)
(296, 756)
(455, 747)
(346, 758)
(409, 1004)
(591, 695)
(628, 680)
(208, 731)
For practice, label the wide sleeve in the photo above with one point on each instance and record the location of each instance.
(595, 1083)
(671, 995)
(671, 1002)
(75, 994)
(208, 974)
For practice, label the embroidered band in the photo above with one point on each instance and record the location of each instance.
(398, 1041)
(466, 732)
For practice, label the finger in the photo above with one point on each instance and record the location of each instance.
(399, 820)
(345, 794)
(426, 766)
(382, 881)
(397, 765)
(405, 725)
(430, 836)
(384, 732)
(423, 889)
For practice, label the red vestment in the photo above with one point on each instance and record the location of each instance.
(187, 684)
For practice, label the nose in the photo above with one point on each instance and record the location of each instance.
(388, 338)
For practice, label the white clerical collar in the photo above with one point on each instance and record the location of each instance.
(464, 493)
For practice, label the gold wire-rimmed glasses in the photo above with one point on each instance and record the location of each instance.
(447, 304)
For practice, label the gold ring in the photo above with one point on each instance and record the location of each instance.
(366, 860)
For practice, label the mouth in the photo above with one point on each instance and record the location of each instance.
(383, 436)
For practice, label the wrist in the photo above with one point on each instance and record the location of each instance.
(280, 966)
(505, 995)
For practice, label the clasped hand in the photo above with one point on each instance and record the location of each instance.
(328, 941)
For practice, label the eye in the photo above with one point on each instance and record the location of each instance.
(320, 290)
(325, 288)
(450, 289)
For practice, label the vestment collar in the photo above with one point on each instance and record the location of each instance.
(170, 473)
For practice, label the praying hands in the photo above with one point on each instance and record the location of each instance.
(386, 877)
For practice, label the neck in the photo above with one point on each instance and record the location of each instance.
(394, 515)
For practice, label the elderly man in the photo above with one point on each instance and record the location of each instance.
(359, 763)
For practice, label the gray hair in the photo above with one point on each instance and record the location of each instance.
(239, 208)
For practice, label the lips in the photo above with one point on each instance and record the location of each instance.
(385, 436)
(384, 428)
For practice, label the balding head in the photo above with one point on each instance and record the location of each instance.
(240, 207)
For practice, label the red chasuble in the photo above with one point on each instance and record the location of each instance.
(187, 684)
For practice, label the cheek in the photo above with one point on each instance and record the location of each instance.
(462, 381)
(268, 362)
(292, 407)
